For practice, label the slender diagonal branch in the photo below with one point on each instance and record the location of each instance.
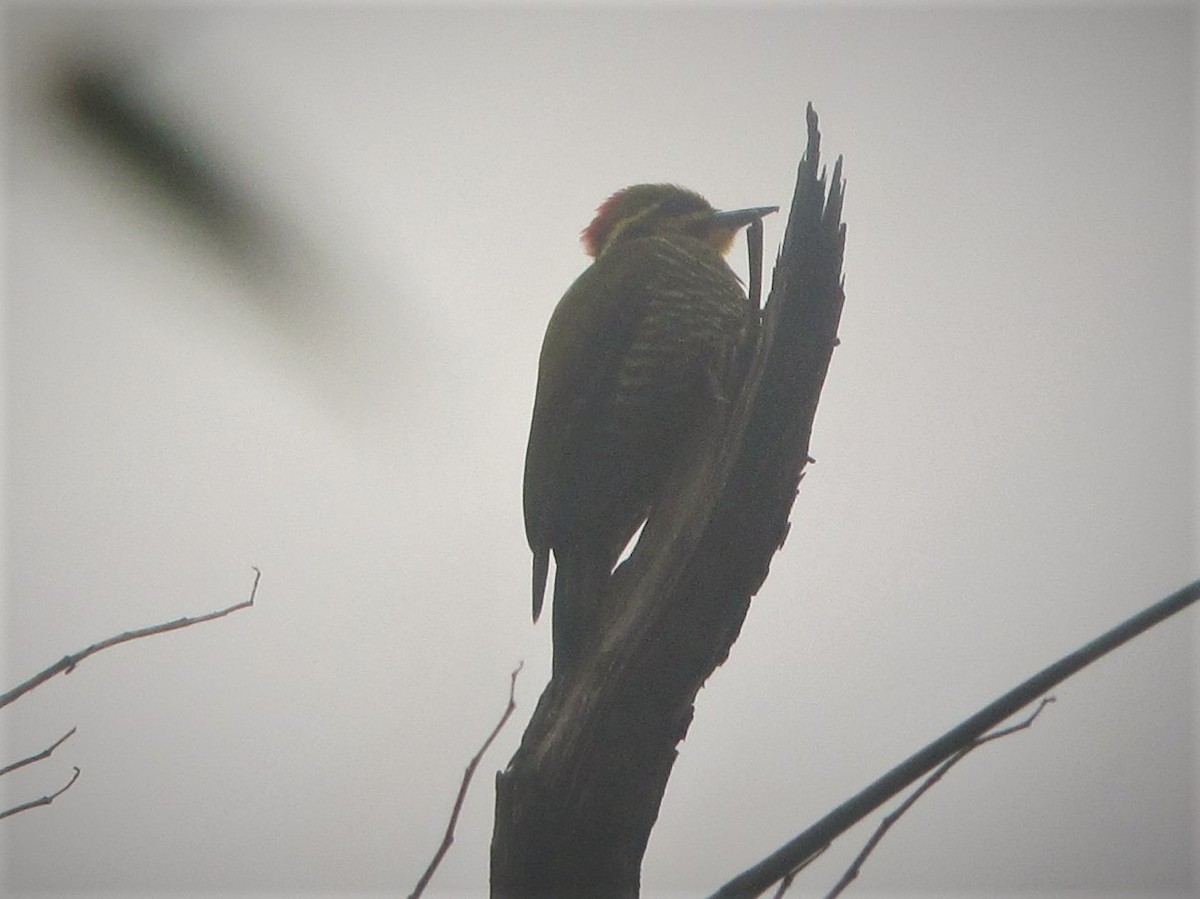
(448, 839)
(45, 800)
(892, 817)
(778, 864)
(67, 663)
(37, 757)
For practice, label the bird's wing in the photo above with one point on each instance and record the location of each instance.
(586, 337)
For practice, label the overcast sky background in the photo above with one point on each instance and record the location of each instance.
(1006, 442)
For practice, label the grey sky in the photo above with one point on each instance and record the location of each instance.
(1005, 444)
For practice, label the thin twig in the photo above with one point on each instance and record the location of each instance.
(67, 664)
(44, 754)
(754, 249)
(753, 881)
(448, 839)
(45, 800)
(786, 883)
(885, 825)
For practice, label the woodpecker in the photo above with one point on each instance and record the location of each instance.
(640, 349)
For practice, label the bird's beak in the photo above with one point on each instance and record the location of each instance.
(740, 218)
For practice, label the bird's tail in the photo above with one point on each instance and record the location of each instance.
(541, 565)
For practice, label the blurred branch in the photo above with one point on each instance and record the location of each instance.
(45, 800)
(67, 663)
(109, 101)
(44, 754)
(448, 839)
(753, 881)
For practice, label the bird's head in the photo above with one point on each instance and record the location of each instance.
(647, 210)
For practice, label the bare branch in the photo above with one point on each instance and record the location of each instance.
(786, 883)
(448, 839)
(67, 664)
(45, 800)
(1020, 725)
(885, 825)
(44, 754)
(753, 881)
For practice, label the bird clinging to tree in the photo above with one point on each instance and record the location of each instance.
(654, 333)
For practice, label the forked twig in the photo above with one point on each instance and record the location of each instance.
(894, 816)
(786, 883)
(756, 879)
